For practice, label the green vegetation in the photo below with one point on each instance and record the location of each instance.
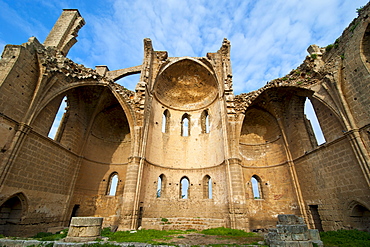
(222, 231)
(342, 56)
(358, 10)
(48, 236)
(164, 220)
(142, 236)
(346, 238)
(353, 27)
(284, 78)
(329, 47)
(103, 245)
(314, 56)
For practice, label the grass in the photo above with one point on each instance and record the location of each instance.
(222, 231)
(48, 236)
(345, 238)
(143, 236)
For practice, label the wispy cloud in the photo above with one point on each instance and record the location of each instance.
(268, 37)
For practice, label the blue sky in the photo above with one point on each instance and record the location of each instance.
(268, 38)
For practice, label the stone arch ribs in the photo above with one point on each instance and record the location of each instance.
(115, 75)
(333, 84)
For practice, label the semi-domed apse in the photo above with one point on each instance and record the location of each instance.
(186, 85)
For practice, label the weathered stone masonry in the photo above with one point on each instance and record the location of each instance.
(182, 147)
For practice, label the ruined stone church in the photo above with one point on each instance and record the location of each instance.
(182, 151)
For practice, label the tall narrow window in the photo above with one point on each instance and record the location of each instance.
(311, 116)
(166, 121)
(256, 187)
(184, 188)
(112, 185)
(160, 186)
(185, 125)
(204, 119)
(60, 119)
(207, 187)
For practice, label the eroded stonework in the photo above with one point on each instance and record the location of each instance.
(182, 151)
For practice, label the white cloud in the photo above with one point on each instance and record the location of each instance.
(268, 37)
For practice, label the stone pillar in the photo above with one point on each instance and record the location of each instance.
(239, 209)
(83, 229)
(129, 213)
(64, 33)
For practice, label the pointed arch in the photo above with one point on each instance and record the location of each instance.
(11, 212)
(184, 187)
(310, 114)
(207, 187)
(256, 187)
(161, 184)
(112, 184)
(166, 121)
(205, 124)
(185, 125)
(359, 215)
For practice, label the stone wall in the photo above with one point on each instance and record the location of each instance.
(108, 132)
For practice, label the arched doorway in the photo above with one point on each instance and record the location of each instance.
(11, 212)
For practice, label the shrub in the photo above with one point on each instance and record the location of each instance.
(164, 219)
(329, 47)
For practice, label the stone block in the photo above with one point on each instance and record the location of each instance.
(84, 229)
(314, 234)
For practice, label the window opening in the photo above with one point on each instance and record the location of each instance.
(140, 217)
(184, 188)
(113, 184)
(314, 210)
(58, 125)
(160, 185)
(204, 118)
(75, 210)
(311, 116)
(256, 187)
(165, 121)
(207, 189)
(185, 125)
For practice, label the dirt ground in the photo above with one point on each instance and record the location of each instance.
(202, 239)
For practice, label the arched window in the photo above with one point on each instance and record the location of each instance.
(207, 187)
(204, 119)
(112, 185)
(166, 121)
(256, 187)
(311, 116)
(184, 188)
(161, 185)
(185, 125)
(60, 120)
